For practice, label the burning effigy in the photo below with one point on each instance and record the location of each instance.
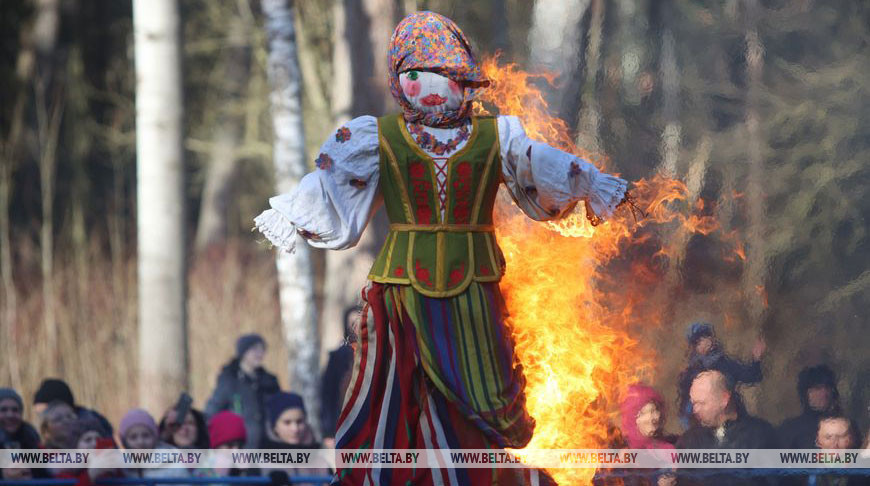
(465, 343)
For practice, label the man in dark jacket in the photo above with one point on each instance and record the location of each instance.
(817, 389)
(706, 353)
(54, 389)
(722, 423)
(243, 387)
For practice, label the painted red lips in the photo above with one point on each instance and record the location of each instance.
(433, 100)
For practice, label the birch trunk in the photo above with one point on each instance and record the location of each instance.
(754, 271)
(631, 39)
(296, 271)
(555, 42)
(45, 33)
(670, 76)
(163, 358)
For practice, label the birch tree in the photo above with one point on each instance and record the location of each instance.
(555, 41)
(163, 362)
(295, 271)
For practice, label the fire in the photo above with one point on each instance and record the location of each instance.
(570, 319)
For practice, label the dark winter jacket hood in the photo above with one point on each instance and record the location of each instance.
(815, 376)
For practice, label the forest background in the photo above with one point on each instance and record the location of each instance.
(726, 96)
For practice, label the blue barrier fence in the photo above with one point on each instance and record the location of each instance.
(241, 480)
(258, 480)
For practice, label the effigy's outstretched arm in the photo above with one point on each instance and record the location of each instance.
(546, 182)
(331, 206)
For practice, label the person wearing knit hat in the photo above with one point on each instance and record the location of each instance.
(13, 429)
(819, 396)
(55, 389)
(706, 353)
(87, 432)
(243, 386)
(289, 425)
(698, 330)
(289, 419)
(138, 430)
(642, 412)
(248, 341)
(226, 430)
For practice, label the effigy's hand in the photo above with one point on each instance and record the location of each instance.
(630, 201)
(593, 218)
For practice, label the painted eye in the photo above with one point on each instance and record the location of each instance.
(413, 75)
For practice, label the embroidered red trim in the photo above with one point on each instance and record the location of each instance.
(462, 193)
(422, 189)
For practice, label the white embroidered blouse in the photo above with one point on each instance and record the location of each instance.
(332, 205)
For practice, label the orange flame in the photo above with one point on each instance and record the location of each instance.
(573, 336)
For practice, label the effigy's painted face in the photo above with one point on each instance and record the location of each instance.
(431, 92)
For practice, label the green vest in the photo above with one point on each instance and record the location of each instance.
(439, 258)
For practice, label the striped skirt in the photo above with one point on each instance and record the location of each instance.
(435, 374)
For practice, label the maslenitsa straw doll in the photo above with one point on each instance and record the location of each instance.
(435, 365)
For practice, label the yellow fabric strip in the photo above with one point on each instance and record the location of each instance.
(451, 228)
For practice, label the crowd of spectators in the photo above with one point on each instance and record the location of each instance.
(247, 409)
(713, 416)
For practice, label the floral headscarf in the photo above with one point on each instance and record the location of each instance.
(429, 41)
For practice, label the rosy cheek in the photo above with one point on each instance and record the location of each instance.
(410, 88)
(454, 86)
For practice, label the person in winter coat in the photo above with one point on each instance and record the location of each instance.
(226, 430)
(289, 423)
(14, 431)
(642, 413)
(58, 426)
(243, 387)
(191, 433)
(84, 436)
(52, 389)
(138, 430)
(817, 389)
(706, 353)
(722, 423)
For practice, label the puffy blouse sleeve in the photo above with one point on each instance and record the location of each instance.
(546, 182)
(332, 205)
